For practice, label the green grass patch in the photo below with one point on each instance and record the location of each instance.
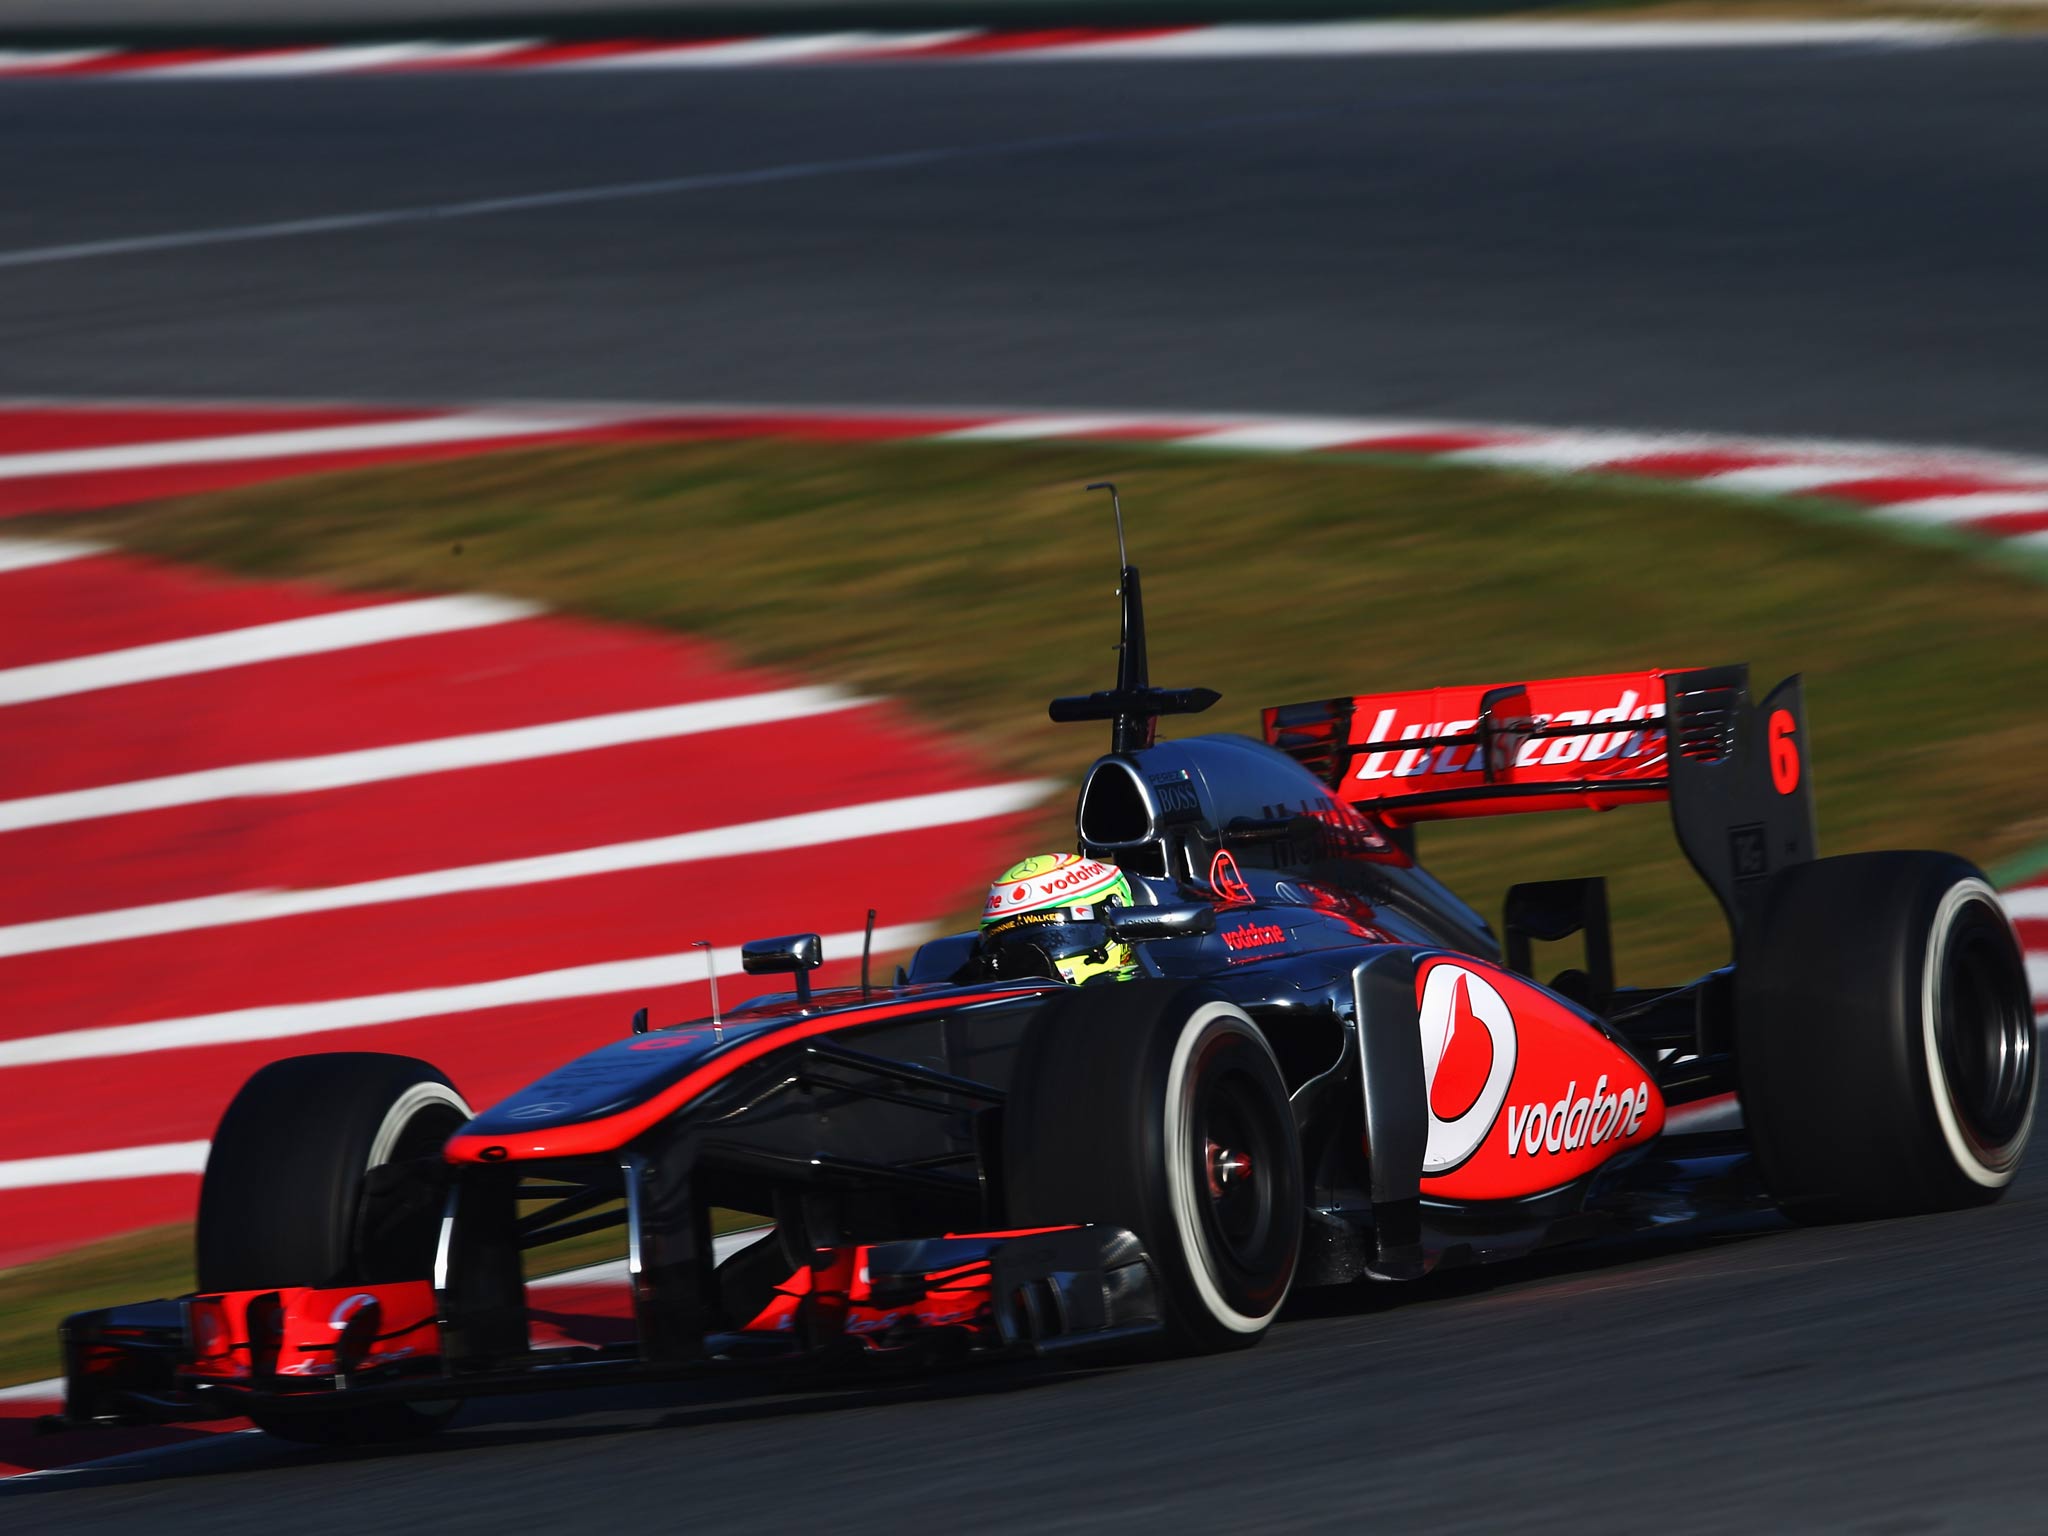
(977, 582)
(35, 1298)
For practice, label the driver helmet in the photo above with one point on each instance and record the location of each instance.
(1053, 901)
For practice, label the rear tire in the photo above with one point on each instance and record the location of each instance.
(1885, 1037)
(1158, 1106)
(283, 1201)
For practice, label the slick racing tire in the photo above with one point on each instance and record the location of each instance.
(1885, 1039)
(289, 1199)
(1158, 1106)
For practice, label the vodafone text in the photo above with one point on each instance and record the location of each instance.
(1253, 935)
(1594, 748)
(1569, 1124)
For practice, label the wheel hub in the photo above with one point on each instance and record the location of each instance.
(1226, 1168)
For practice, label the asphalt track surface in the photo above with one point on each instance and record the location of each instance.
(1845, 241)
(1883, 1379)
(1836, 242)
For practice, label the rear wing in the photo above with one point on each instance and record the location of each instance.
(1736, 778)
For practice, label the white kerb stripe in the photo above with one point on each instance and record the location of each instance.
(251, 447)
(879, 818)
(2037, 975)
(309, 636)
(1961, 509)
(293, 61)
(758, 50)
(50, 1391)
(27, 554)
(1789, 479)
(1288, 436)
(91, 1167)
(372, 765)
(286, 1021)
(21, 59)
(1019, 429)
(1571, 450)
(2027, 901)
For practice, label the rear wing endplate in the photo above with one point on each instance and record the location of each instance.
(1737, 777)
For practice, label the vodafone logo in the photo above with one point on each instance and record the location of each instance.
(1468, 1060)
(1254, 935)
(1572, 1123)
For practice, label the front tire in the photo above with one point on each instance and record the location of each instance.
(1885, 1037)
(288, 1199)
(1158, 1107)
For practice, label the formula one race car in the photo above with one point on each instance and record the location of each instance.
(1323, 1067)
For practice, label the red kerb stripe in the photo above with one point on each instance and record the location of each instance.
(1884, 490)
(2007, 525)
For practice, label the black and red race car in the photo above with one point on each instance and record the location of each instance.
(1328, 1070)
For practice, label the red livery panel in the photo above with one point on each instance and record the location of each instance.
(1430, 753)
(1524, 1094)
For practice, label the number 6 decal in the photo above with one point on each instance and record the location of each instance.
(1784, 739)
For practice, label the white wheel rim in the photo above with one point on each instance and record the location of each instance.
(1965, 1155)
(404, 1109)
(1180, 1162)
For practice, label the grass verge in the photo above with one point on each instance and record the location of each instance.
(35, 1298)
(976, 582)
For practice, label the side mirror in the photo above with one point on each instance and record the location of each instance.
(1171, 921)
(798, 952)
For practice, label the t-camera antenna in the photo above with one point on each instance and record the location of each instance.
(711, 974)
(1134, 706)
(1116, 504)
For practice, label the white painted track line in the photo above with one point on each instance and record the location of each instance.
(243, 448)
(28, 554)
(311, 636)
(285, 1021)
(372, 765)
(808, 830)
(187, 1451)
(563, 197)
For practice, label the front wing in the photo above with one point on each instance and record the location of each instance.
(302, 1349)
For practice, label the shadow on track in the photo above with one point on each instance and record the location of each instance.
(554, 1418)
